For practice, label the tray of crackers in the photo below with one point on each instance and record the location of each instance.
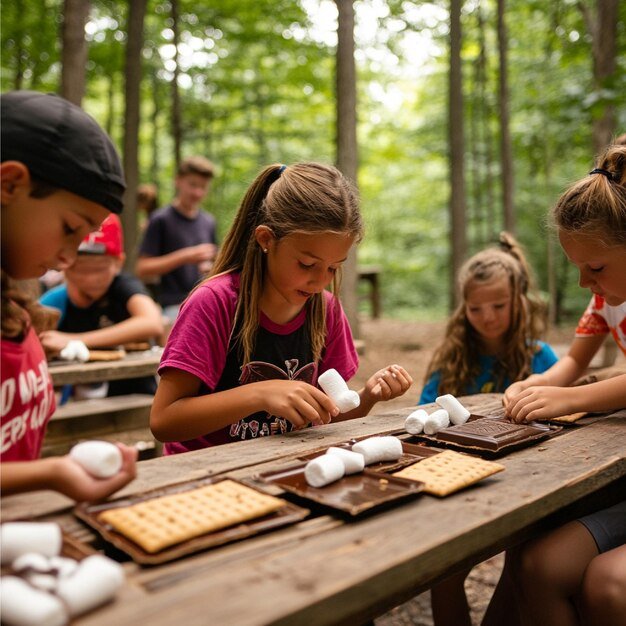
(353, 494)
(411, 453)
(490, 436)
(167, 523)
(449, 471)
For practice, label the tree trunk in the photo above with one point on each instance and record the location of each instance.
(132, 86)
(603, 30)
(176, 116)
(506, 153)
(74, 53)
(457, 148)
(347, 150)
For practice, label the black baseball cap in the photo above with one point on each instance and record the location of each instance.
(62, 146)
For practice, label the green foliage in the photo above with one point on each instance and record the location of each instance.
(257, 86)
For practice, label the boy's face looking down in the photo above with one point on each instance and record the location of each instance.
(191, 189)
(90, 277)
(39, 234)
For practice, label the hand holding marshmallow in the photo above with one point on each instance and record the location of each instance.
(100, 458)
(336, 388)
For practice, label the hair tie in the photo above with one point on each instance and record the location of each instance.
(599, 170)
(282, 169)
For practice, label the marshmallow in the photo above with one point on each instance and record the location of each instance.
(335, 387)
(353, 462)
(457, 412)
(75, 351)
(96, 581)
(17, 538)
(436, 421)
(23, 605)
(377, 449)
(324, 470)
(62, 566)
(32, 561)
(100, 458)
(414, 423)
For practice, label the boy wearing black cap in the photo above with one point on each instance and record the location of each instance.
(60, 177)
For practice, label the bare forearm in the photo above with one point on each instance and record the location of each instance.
(606, 395)
(18, 477)
(159, 265)
(562, 374)
(188, 418)
(132, 329)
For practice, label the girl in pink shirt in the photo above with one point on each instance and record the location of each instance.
(244, 355)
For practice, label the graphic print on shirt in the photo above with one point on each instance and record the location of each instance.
(267, 424)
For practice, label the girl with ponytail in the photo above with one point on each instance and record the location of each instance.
(245, 352)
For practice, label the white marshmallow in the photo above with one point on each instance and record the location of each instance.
(18, 538)
(75, 350)
(100, 458)
(377, 449)
(45, 582)
(336, 388)
(62, 565)
(96, 581)
(32, 561)
(324, 470)
(353, 462)
(414, 423)
(23, 605)
(436, 421)
(457, 412)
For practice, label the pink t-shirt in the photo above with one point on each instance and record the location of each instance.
(27, 398)
(601, 318)
(201, 343)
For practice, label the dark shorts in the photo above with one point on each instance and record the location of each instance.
(607, 527)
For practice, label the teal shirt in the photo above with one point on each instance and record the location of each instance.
(543, 359)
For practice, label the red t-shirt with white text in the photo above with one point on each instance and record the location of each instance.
(27, 398)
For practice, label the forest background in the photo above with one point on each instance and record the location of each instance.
(523, 92)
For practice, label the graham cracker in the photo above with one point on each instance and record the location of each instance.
(448, 471)
(161, 522)
(568, 419)
(106, 355)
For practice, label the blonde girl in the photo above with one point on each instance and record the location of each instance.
(577, 573)
(492, 337)
(244, 355)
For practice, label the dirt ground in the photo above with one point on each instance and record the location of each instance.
(411, 345)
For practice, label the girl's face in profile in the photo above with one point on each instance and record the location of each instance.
(601, 269)
(299, 266)
(488, 310)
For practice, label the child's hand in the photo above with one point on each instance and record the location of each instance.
(297, 402)
(516, 388)
(54, 341)
(76, 483)
(535, 403)
(387, 383)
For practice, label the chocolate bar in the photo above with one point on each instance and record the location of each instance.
(490, 434)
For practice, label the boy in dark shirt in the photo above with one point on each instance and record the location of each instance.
(179, 242)
(101, 306)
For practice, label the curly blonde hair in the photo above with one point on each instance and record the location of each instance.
(456, 358)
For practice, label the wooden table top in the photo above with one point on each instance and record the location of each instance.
(133, 365)
(329, 569)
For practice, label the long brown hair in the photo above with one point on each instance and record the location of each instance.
(596, 204)
(302, 198)
(456, 358)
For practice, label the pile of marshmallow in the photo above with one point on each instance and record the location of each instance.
(75, 350)
(450, 411)
(44, 587)
(339, 462)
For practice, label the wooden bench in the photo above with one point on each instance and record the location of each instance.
(370, 274)
(119, 418)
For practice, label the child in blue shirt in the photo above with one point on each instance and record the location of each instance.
(492, 339)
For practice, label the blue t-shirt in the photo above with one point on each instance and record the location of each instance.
(543, 359)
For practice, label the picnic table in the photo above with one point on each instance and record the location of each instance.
(333, 569)
(133, 365)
